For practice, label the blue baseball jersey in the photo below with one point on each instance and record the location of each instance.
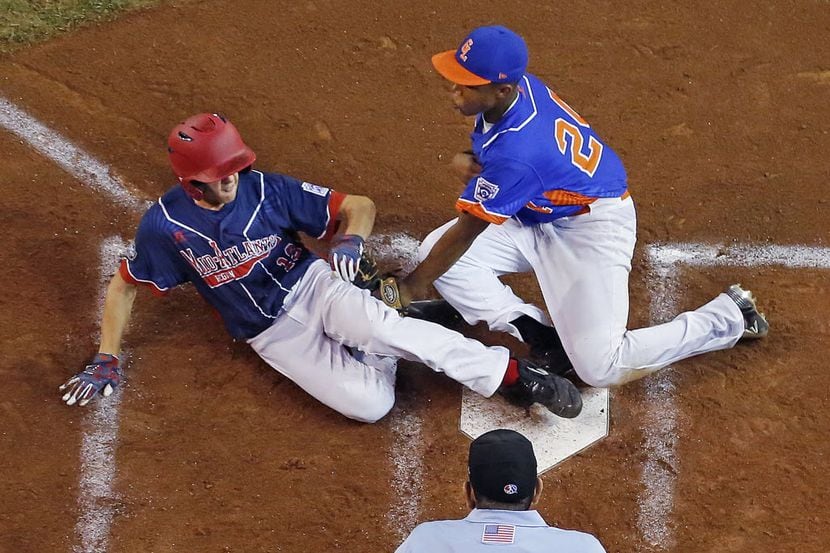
(540, 161)
(244, 258)
(490, 530)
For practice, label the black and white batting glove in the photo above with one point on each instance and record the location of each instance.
(102, 375)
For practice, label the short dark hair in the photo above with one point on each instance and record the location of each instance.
(483, 502)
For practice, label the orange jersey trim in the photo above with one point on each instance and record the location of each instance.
(477, 210)
(566, 197)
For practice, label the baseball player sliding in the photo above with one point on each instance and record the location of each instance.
(233, 232)
(545, 193)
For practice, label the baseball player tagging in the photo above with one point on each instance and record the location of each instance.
(545, 193)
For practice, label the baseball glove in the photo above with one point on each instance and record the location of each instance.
(390, 294)
(368, 275)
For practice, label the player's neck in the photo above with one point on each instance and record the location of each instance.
(207, 205)
(495, 114)
(212, 204)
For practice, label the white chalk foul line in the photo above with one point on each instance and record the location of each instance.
(73, 160)
(407, 473)
(96, 498)
(407, 447)
(660, 422)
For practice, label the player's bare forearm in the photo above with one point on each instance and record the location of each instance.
(117, 309)
(446, 251)
(359, 212)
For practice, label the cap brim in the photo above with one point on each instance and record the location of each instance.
(449, 68)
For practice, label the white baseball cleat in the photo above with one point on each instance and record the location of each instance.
(756, 324)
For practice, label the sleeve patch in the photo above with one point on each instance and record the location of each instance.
(315, 189)
(485, 190)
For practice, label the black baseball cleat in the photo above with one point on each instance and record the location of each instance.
(554, 359)
(755, 324)
(546, 347)
(538, 385)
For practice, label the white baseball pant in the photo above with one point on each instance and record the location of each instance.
(323, 314)
(582, 265)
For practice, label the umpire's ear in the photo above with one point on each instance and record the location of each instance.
(538, 492)
(469, 495)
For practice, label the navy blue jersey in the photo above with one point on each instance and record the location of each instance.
(244, 258)
(541, 161)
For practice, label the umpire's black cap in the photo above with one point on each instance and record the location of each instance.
(502, 466)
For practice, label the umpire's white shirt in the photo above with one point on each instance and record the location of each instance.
(496, 531)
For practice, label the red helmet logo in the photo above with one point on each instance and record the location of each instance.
(206, 148)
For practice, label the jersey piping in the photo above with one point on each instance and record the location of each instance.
(521, 125)
(245, 234)
(212, 243)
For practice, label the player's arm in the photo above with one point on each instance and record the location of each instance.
(359, 214)
(118, 306)
(345, 253)
(104, 372)
(446, 251)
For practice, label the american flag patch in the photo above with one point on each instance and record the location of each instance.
(498, 533)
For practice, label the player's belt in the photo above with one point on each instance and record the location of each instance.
(587, 208)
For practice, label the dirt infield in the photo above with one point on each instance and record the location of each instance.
(720, 115)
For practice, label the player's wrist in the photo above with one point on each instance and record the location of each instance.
(105, 357)
(351, 238)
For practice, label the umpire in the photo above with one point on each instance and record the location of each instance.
(501, 489)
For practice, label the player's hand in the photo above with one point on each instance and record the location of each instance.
(466, 165)
(344, 256)
(102, 375)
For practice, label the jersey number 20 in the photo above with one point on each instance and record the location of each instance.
(586, 163)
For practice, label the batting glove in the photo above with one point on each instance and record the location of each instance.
(344, 257)
(102, 375)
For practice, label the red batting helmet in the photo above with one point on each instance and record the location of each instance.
(206, 148)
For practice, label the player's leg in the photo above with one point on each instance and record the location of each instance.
(583, 270)
(472, 284)
(358, 386)
(351, 316)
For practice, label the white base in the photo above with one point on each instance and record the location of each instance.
(554, 439)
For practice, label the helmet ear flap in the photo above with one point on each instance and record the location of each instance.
(192, 191)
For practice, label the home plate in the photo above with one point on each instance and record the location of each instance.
(554, 438)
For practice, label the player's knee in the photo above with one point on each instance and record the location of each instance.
(371, 411)
(604, 370)
(599, 379)
(596, 370)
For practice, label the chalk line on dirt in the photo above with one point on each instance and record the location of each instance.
(72, 159)
(407, 473)
(96, 497)
(407, 446)
(660, 422)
